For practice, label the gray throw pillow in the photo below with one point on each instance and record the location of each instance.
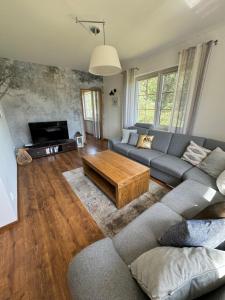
(133, 139)
(195, 233)
(126, 134)
(214, 164)
(170, 273)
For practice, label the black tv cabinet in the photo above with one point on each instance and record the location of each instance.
(51, 148)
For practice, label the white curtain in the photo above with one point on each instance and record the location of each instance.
(129, 101)
(191, 73)
(96, 114)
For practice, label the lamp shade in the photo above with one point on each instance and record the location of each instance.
(105, 61)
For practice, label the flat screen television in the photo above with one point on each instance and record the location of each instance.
(43, 132)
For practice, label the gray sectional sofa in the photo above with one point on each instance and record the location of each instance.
(101, 271)
(164, 157)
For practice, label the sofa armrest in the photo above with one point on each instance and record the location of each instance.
(113, 141)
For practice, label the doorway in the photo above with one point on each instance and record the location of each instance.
(91, 100)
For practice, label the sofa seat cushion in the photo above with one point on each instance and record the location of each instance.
(171, 165)
(144, 156)
(142, 234)
(98, 273)
(200, 176)
(191, 197)
(123, 148)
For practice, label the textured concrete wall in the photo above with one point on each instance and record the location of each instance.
(35, 93)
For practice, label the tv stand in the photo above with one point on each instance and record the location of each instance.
(51, 148)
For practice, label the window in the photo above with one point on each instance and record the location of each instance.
(155, 98)
(87, 105)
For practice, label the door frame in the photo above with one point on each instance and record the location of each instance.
(101, 108)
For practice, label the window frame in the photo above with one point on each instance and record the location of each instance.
(159, 94)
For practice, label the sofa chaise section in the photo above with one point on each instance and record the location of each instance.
(191, 197)
(200, 176)
(98, 273)
(101, 270)
(142, 234)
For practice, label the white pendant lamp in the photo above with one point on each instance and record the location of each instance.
(105, 61)
(104, 58)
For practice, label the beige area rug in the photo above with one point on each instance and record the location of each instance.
(110, 219)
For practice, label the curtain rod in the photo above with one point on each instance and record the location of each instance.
(215, 43)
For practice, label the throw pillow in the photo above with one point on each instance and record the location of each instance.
(133, 139)
(145, 141)
(126, 135)
(194, 154)
(169, 273)
(214, 163)
(220, 182)
(195, 233)
(215, 211)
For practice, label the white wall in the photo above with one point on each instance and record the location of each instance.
(112, 117)
(210, 118)
(8, 175)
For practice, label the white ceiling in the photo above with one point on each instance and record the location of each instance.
(44, 31)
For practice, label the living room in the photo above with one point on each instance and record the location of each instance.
(112, 157)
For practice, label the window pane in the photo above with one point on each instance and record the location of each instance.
(87, 103)
(152, 85)
(169, 82)
(141, 116)
(166, 109)
(141, 102)
(149, 116)
(148, 86)
(147, 90)
(150, 102)
(165, 116)
(142, 87)
(146, 116)
(167, 101)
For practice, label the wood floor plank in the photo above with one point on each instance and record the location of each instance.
(53, 226)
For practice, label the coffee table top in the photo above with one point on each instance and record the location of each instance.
(115, 167)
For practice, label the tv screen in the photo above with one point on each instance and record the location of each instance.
(43, 132)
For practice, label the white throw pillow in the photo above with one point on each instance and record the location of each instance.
(220, 182)
(126, 135)
(169, 273)
(194, 154)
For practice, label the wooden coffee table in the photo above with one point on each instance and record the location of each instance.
(120, 178)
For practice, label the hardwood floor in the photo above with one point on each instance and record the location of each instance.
(53, 226)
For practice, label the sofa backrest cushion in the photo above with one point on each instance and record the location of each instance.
(213, 144)
(142, 128)
(179, 143)
(161, 140)
(144, 125)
